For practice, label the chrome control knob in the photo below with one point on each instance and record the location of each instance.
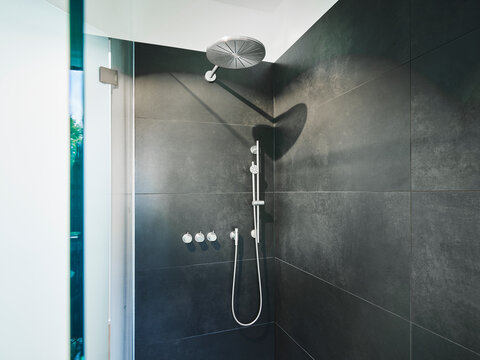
(199, 237)
(211, 236)
(187, 238)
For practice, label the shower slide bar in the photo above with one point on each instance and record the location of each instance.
(255, 233)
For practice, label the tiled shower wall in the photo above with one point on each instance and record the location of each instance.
(193, 156)
(377, 179)
(377, 201)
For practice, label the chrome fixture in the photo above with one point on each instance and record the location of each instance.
(255, 233)
(256, 202)
(211, 236)
(199, 237)
(238, 52)
(187, 238)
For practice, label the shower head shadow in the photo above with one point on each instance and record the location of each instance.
(234, 52)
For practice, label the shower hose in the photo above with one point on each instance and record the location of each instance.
(259, 284)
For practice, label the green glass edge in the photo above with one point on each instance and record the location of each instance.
(77, 336)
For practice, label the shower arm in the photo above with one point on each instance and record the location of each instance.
(210, 74)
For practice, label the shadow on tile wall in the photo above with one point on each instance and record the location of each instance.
(376, 188)
(372, 218)
(193, 142)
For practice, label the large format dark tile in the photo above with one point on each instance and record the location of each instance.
(175, 157)
(446, 117)
(353, 42)
(192, 300)
(286, 348)
(358, 141)
(255, 343)
(428, 346)
(357, 241)
(331, 324)
(162, 219)
(170, 85)
(446, 265)
(435, 22)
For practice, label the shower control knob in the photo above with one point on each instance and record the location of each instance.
(253, 234)
(199, 237)
(211, 236)
(187, 238)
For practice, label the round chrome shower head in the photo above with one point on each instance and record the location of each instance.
(236, 52)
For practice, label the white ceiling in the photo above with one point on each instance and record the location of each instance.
(196, 24)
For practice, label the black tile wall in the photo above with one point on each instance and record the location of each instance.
(255, 343)
(170, 85)
(332, 324)
(361, 242)
(372, 117)
(162, 219)
(445, 117)
(377, 163)
(193, 142)
(179, 302)
(346, 144)
(181, 157)
(435, 22)
(428, 346)
(352, 43)
(286, 348)
(446, 265)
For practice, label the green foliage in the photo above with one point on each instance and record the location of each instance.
(76, 139)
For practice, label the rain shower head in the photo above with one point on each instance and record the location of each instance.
(238, 52)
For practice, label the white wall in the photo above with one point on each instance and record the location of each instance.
(34, 181)
(197, 24)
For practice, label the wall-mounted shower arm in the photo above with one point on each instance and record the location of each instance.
(210, 74)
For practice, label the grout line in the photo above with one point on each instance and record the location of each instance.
(203, 193)
(448, 42)
(444, 191)
(346, 291)
(201, 264)
(301, 347)
(340, 191)
(411, 183)
(209, 333)
(203, 122)
(377, 77)
(445, 338)
(372, 191)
